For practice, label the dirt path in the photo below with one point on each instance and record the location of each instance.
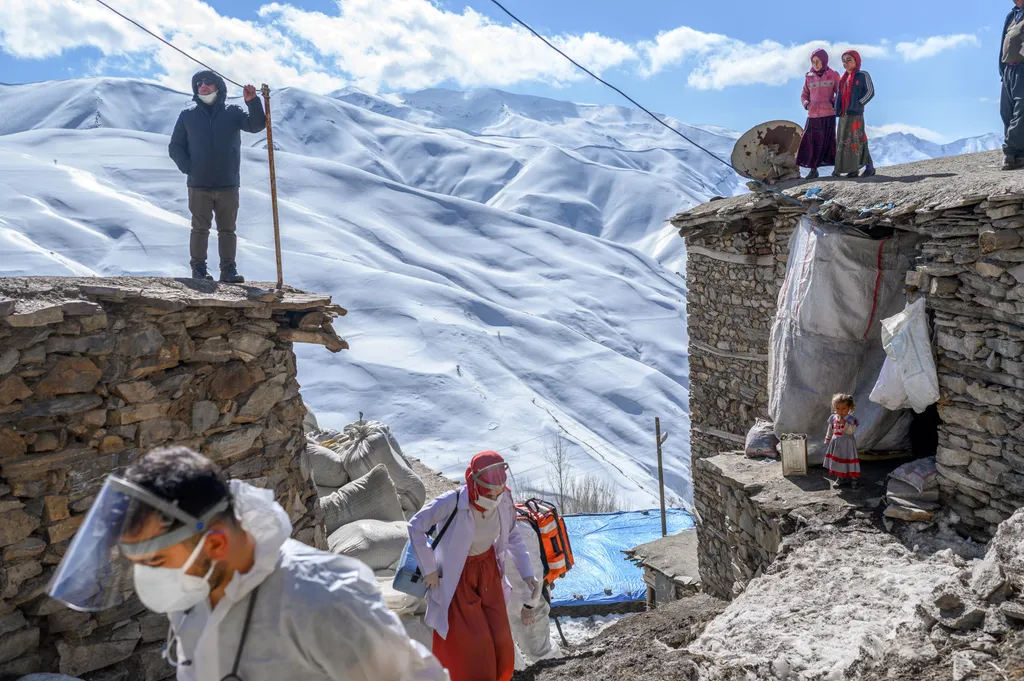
(645, 646)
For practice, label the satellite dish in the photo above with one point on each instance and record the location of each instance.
(768, 152)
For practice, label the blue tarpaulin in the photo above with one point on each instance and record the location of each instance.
(597, 544)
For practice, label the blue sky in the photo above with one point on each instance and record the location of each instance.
(731, 64)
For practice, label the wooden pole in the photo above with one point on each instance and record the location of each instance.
(273, 188)
(661, 473)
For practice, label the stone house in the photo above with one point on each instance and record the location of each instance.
(670, 567)
(960, 225)
(94, 373)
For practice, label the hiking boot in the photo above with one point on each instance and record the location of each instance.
(200, 272)
(1012, 163)
(813, 175)
(230, 275)
(868, 172)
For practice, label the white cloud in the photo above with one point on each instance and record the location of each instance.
(392, 45)
(926, 48)
(915, 130)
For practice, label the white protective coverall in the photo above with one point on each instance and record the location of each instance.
(533, 643)
(318, 616)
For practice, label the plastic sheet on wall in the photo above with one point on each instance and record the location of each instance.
(826, 338)
(602, 575)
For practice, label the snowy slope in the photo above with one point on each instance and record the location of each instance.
(580, 166)
(471, 328)
(495, 252)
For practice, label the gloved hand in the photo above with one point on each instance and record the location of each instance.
(534, 584)
(433, 580)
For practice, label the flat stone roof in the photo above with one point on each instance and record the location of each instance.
(674, 555)
(890, 198)
(22, 296)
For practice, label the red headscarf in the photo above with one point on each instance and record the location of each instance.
(846, 82)
(492, 476)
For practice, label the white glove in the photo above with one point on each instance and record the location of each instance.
(534, 585)
(433, 580)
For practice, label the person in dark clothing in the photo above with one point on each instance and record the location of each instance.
(1011, 103)
(206, 145)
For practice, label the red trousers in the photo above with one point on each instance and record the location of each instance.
(479, 646)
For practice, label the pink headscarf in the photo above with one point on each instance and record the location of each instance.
(823, 56)
(486, 468)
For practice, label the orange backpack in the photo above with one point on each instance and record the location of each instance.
(556, 551)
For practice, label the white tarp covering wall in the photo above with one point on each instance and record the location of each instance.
(826, 338)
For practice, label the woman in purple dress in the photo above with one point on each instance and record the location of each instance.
(818, 146)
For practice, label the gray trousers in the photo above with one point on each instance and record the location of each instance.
(1011, 106)
(204, 204)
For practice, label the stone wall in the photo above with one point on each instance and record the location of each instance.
(733, 281)
(93, 373)
(737, 538)
(972, 271)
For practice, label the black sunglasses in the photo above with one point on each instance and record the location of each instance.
(206, 81)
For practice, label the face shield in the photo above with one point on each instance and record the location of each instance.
(125, 521)
(491, 479)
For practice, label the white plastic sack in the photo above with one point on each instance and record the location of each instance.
(327, 466)
(371, 497)
(366, 444)
(907, 341)
(922, 474)
(825, 338)
(401, 604)
(533, 643)
(761, 440)
(889, 391)
(377, 543)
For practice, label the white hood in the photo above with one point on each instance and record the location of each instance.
(268, 524)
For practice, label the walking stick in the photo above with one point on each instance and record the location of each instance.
(273, 187)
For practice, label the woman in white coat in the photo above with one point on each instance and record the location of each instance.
(469, 591)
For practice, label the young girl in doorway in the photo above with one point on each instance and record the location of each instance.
(855, 90)
(818, 145)
(841, 458)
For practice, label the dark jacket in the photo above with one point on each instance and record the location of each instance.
(1014, 14)
(206, 143)
(863, 91)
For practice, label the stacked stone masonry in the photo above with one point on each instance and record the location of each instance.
(970, 268)
(733, 281)
(739, 537)
(94, 373)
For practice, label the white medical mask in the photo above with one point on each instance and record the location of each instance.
(165, 590)
(487, 503)
(210, 98)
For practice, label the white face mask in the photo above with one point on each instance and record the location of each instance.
(487, 503)
(165, 590)
(210, 98)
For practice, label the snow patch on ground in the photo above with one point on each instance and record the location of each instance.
(825, 606)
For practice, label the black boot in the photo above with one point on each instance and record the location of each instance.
(868, 172)
(199, 271)
(1012, 163)
(813, 175)
(230, 275)
(853, 174)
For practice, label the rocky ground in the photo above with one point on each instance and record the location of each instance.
(845, 601)
(646, 646)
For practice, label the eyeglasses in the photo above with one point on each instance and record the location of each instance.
(206, 81)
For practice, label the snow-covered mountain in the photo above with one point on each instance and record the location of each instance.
(505, 259)
(901, 147)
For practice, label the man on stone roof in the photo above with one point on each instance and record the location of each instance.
(1011, 68)
(206, 145)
